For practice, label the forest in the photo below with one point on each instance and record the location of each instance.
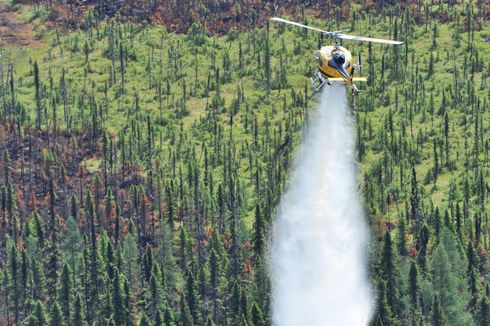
(145, 146)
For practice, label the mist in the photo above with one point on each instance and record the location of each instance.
(320, 239)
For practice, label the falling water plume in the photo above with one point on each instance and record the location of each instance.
(320, 237)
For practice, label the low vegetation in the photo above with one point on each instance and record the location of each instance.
(141, 168)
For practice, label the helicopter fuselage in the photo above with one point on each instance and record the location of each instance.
(330, 68)
(334, 67)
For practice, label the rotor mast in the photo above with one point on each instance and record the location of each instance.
(336, 37)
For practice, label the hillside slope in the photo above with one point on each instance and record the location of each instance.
(141, 169)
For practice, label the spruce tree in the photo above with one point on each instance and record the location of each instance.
(267, 60)
(257, 316)
(210, 322)
(452, 302)
(390, 274)
(40, 314)
(15, 277)
(438, 316)
(65, 292)
(168, 317)
(412, 284)
(383, 315)
(144, 321)
(402, 241)
(185, 313)
(258, 232)
(56, 316)
(484, 312)
(158, 318)
(37, 96)
(93, 282)
(31, 320)
(119, 308)
(78, 313)
(71, 245)
(38, 280)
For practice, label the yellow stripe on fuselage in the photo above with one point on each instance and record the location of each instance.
(354, 79)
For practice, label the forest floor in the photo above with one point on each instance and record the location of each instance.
(14, 30)
(32, 41)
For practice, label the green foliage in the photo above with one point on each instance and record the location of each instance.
(451, 301)
(56, 317)
(157, 160)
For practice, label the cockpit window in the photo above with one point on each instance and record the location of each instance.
(339, 58)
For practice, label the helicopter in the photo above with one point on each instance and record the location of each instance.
(334, 61)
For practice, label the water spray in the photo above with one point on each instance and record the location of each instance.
(320, 237)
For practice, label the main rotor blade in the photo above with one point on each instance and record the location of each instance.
(368, 39)
(277, 19)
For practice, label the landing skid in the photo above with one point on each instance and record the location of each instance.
(318, 81)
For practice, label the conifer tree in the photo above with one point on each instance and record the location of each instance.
(414, 200)
(402, 241)
(24, 281)
(413, 286)
(144, 321)
(37, 97)
(31, 320)
(438, 317)
(484, 312)
(119, 309)
(38, 280)
(40, 314)
(452, 302)
(154, 295)
(185, 313)
(93, 282)
(110, 322)
(14, 277)
(168, 317)
(65, 292)
(257, 316)
(158, 319)
(71, 244)
(259, 232)
(6, 166)
(53, 254)
(193, 301)
(267, 60)
(383, 315)
(422, 242)
(390, 274)
(210, 322)
(78, 313)
(4, 278)
(56, 316)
